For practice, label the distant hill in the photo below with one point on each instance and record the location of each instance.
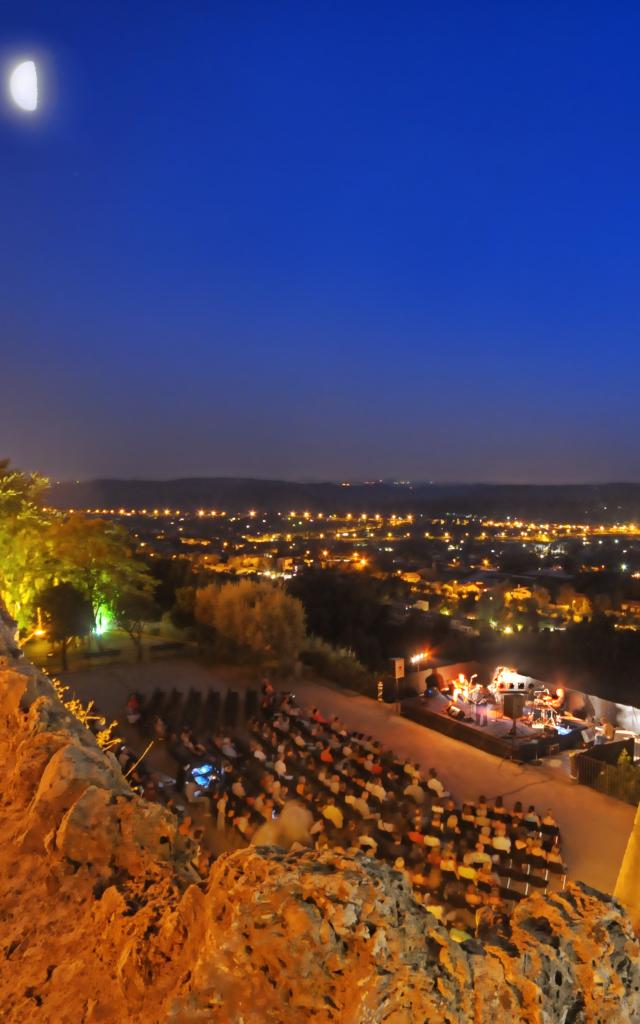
(575, 503)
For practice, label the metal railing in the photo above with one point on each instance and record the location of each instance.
(621, 781)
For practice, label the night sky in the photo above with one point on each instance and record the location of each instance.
(322, 240)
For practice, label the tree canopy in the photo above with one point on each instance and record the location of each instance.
(255, 618)
(96, 556)
(68, 614)
(132, 609)
(25, 551)
(41, 547)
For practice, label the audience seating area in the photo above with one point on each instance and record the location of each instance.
(238, 761)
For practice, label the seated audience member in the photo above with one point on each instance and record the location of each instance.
(451, 821)
(521, 841)
(228, 748)
(495, 899)
(499, 810)
(448, 863)
(368, 844)
(281, 722)
(472, 897)
(478, 856)
(415, 791)
(531, 818)
(467, 873)
(359, 803)
(333, 813)
(377, 790)
(501, 841)
(133, 709)
(537, 850)
(238, 789)
(335, 785)
(435, 785)
(482, 805)
(432, 841)
(487, 877)
(554, 855)
(468, 816)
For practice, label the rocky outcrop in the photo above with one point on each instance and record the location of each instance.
(335, 938)
(103, 917)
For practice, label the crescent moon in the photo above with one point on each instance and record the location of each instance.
(23, 85)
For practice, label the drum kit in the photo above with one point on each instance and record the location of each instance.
(542, 708)
(542, 714)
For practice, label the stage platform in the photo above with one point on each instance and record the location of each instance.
(495, 737)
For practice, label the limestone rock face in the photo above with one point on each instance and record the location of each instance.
(306, 936)
(104, 920)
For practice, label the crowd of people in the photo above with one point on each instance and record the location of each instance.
(296, 778)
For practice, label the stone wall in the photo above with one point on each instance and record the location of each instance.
(103, 918)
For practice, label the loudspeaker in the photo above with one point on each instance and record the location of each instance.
(513, 706)
(455, 712)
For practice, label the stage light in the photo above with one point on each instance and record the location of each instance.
(416, 658)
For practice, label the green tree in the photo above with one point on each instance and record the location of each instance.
(542, 598)
(601, 603)
(258, 619)
(349, 610)
(96, 555)
(68, 615)
(581, 606)
(132, 609)
(25, 549)
(566, 596)
(183, 611)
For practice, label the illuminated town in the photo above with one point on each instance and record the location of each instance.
(540, 575)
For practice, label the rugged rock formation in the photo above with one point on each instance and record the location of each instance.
(104, 919)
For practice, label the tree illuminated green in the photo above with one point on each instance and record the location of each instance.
(40, 547)
(96, 555)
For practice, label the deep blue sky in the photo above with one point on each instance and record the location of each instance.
(318, 239)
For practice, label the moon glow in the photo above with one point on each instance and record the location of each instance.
(23, 85)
